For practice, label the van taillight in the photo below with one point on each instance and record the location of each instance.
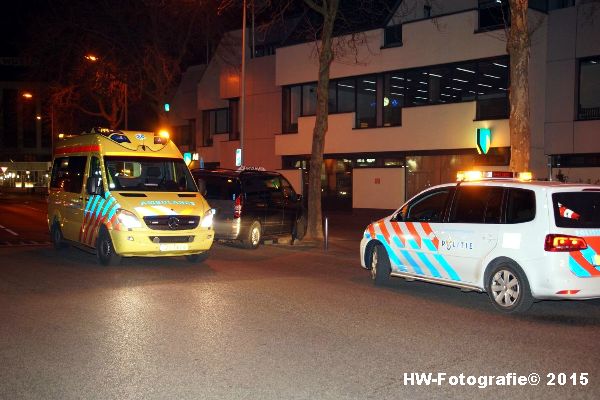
(564, 243)
(237, 208)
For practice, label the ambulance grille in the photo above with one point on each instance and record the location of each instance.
(171, 239)
(172, 222)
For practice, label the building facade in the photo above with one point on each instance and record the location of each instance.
(406, 107)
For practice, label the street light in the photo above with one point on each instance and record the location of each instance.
(93, 58)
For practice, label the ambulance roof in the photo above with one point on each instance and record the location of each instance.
(118, 143)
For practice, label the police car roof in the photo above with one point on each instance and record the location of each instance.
(524, 184)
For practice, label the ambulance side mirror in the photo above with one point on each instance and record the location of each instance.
(94, 185)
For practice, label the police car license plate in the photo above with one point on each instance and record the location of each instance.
(173, 246)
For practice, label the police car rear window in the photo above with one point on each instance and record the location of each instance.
(577, 209)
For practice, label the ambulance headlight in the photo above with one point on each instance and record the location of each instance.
(207, 219)
(128, 219)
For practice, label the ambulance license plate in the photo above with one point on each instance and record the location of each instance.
(173, 246)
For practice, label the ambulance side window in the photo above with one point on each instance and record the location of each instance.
(95, 170)
(67, 173)
(429, 207)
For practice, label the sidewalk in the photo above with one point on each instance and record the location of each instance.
(346, 229)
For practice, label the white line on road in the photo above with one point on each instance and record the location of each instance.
(10, 231)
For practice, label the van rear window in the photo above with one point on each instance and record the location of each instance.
(577, 209)
(218, 187)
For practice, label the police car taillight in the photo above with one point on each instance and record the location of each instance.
(237, 208)
(557, 243)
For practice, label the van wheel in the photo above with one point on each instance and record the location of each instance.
(299, 229)
(105, 250)
(58, 240)
(253, 236)
(380, 265)
(198, 257)
(508, 288)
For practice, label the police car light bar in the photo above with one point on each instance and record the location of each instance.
(480, 175)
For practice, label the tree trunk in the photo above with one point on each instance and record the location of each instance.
(518, 47)
(314, 229)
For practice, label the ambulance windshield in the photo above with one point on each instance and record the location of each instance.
(148, 174)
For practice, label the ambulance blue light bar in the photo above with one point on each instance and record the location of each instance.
(119, 138)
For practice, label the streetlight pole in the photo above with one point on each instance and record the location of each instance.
(243, 94)
(126, 105)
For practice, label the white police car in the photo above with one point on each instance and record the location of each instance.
(515, 239)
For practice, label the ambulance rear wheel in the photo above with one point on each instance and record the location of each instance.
(58, 240)
(508, 288)
(380, 265)
(105, 250)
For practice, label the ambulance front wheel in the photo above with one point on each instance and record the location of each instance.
(380, 265)
(105, 250)
(508, 287)
(58, 240)
(198, 257)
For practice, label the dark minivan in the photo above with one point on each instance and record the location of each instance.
(251, 205)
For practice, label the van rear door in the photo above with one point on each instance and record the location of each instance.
(221, 193)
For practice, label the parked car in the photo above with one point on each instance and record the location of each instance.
(251, 205)
(519, 241)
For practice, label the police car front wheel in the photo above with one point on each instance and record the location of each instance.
(380, 265)
(508, 288)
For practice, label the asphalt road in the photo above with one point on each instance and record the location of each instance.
(276, 323)
(23, 220)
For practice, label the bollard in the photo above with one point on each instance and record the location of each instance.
(326, 234)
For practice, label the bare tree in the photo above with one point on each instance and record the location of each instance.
(518, 47)
(328, 9)
(141, 47)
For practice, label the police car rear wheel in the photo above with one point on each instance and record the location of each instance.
(105, 249)
(508, 289)
(253, 236)
(380, 265)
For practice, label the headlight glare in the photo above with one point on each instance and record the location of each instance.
(128, 219)
(207, 219)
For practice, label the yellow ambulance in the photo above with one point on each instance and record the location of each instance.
(126, 193)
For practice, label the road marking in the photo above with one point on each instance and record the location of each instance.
(9, 231)
(23, 243)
